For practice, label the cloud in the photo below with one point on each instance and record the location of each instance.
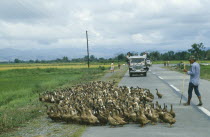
(151, 38)
(114, 24)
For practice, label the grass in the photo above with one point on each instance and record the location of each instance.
(19, 91)
(204, 70)
(118, 75)
(51, 65)
(178, 61)
(79, 132)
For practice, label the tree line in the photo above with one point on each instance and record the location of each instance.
(198, 50)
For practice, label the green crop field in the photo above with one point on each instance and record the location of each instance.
(51, 65)
(178, 61)
(204, 70)
(20, 88)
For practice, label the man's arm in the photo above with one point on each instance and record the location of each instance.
(192, 72)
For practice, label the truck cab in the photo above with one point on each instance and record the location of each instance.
(138, 65)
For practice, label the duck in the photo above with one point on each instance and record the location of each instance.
(93, 120)
(118, 119)
(142, 118)
(167, 118)
(75, 117)
(112, 121)
(148, 99)
(132, 114)
(102, 118)
(158, 94)
(55, 115)
(102, 103)
(172, 112)
(67, 116)
(154, 117)
(84, 117)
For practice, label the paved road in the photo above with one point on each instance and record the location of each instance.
(191, 121)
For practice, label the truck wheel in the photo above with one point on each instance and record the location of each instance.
(130, 74)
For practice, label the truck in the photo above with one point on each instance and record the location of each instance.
(138, 65)
(149, 62)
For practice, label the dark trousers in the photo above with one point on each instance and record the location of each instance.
(190, 89)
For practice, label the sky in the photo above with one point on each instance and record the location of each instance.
(112, 24)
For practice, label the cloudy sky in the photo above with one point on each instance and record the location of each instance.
(111, 24)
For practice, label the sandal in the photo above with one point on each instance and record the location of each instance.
(186, 104)
(200, 104)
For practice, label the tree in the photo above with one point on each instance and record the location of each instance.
(121, 57)
(37, 61)
(93, 58)
(197, 50)
(85, 58)
(183, 55)
(170, 55)
(207, 54)
(31, 61)
(17, 61)
(155, 55)
(65, 59)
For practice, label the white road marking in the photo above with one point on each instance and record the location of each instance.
(204, 111)
(160, 77)
(149, 70)
(175, 88)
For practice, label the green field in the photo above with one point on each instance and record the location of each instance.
(178, 61)
(204, 70)
(51, 65)
(20, 88)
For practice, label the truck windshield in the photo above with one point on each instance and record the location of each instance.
(137, 60)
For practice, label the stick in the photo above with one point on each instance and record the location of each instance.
(182, 86)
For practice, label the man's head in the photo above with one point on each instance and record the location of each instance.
(192, 59)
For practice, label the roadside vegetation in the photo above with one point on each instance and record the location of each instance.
(179, 61)
(19, 90)
(204, 70)
(54, 65)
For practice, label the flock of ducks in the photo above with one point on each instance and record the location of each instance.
(101, 103)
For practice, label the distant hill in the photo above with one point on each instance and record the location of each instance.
(10, 54)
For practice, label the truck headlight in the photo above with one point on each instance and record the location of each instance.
(131, 68)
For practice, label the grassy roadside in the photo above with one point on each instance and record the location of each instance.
(33, 108)
(204, 70)
(117, 75)
(178, 61)
(19, 91)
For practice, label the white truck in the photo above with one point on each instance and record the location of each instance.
(138, 65)
(149, 62)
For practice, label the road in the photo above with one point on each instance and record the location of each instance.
(192, 121)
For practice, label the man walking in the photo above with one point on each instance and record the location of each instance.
(194, 73)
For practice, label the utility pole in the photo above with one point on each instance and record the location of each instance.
(87, 49)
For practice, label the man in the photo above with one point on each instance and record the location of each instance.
(112, 67)
(127, 58)
(194, 73)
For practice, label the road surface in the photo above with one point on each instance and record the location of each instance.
(192, 121)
